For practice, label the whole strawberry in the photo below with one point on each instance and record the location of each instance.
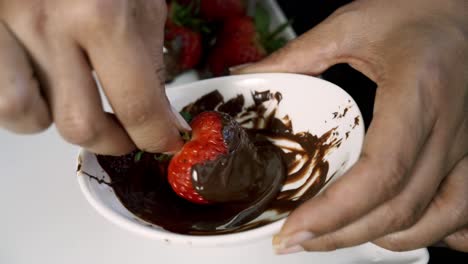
(207, 144)
(185, 45)
(182, 37)
(220, 10)
(237, 43)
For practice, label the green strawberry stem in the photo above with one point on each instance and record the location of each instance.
(261, 20)
(186, 115)
(269, 40)
(186, 136)
(187, 16)
(162, 157)
(138, 155)
(279, 30)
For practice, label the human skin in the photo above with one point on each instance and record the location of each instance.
(409, 188)
(48, 49)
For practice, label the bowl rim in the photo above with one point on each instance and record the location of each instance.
(167, 236)
(202, 240)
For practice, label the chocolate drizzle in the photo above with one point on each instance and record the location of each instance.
(143, 189)
(248, 172)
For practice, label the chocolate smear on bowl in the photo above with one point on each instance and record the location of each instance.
(294, 159)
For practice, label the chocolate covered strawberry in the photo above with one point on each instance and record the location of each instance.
(206, 144)
(221, 164)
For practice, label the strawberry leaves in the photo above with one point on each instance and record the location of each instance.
(271, 41)
(138, 156)
(162, 157)
(188, 16)
(262, 21)
(187, 116)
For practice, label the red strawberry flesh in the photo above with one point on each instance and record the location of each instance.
(237, 43)
(185, 43)
(220, 10)
(207, 144)
(221, 164)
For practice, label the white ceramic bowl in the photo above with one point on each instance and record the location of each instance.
(313, 105)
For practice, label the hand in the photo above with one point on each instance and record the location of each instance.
(48, 50)
(409, 188)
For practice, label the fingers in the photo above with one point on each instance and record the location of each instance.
(458, 240)
(400, 212)
(127, 71)
(124, 59)
(77, 108)
(447, 213)
(22, 108)
(393, 142)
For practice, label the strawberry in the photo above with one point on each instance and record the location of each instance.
(182, 35)
(237, 43)
(208, 143)
(242, 27)
(220, 10)
(243, 39)
(185, 44)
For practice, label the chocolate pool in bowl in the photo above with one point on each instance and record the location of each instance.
(314, 125)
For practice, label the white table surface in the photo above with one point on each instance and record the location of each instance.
(45, 219)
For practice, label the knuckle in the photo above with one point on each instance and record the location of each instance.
(326, 243)
(458, 240)
(393, 243)
(100, 16)
(404, 214)
(392, 174)
(15, 105)
(38, 20)
(431, 75)
(160, 144)
(333, 242)
(348, 14)
(43, 124)
(137, 113)
(401, 218)
(395, 174)
(77, 129)
(459, 208)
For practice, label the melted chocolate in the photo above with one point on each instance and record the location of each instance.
(244, 184)
(250, 172)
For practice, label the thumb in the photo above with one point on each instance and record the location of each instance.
(311, 53)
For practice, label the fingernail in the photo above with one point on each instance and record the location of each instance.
(237, 68)
(291, 244)
(181, 124)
